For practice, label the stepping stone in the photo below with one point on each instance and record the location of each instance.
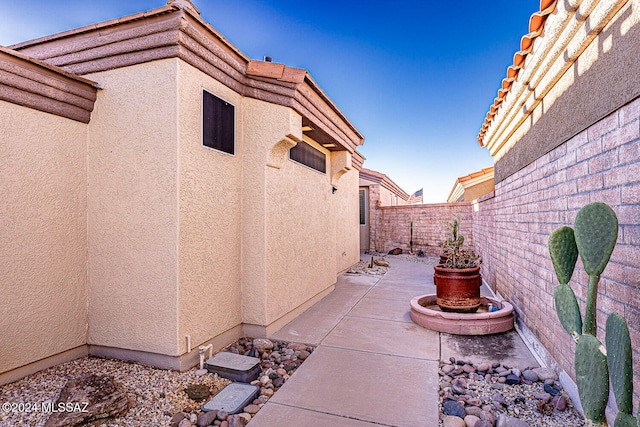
(235, 367)
(232, 398)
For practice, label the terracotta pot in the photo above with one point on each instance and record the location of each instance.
(457, 290)
(443, 259)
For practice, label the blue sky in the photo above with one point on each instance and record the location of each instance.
(415, 77)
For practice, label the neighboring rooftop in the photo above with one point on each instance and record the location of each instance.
(470, 187)
(384, 180)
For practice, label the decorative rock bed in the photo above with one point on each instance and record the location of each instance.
(487, 395)
(158, 396)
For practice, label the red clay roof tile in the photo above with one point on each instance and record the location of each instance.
(536, 25)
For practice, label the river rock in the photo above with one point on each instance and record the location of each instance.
(471, 420)
(451, 407)
(530, 375)
(451, 421)
(207, 418)
(512, 379)
(262, 344)
(473, 410)
(506, 421)
(545, 373)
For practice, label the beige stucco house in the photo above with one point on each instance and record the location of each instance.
(376, 190)
(472, 186)
(162, 191)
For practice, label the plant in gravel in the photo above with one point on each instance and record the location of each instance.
(594, 238)
(411, 238)
(457, 256)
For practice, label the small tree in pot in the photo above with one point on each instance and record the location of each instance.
(457, 278)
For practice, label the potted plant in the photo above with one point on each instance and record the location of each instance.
(457, 278)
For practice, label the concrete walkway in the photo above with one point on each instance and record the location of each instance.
(372, 366)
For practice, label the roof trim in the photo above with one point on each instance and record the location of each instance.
(466, 181)
(536, 26)
(568, 32)
(385, 181)
(35, 84)
(179, 31)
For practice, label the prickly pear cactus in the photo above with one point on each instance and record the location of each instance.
(568, 310)
(564, 253)
(596, 231)
(592, 378)
(620, 364)
(594, 238)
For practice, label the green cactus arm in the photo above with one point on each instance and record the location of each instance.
(592, 378)
(568, 310)
(596, 232)
(564, 252)
(589, 326)
(625, 420)
(619, 361)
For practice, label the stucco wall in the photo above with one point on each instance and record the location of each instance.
(478, 190)
(133, 209)
(346, 216)
(43, 231)
(393, 226)
(301, 229)
(210, 215)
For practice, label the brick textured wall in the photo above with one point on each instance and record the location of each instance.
(511, 229)
(392, 226)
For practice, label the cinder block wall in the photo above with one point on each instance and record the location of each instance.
(511, 229)
(391, 226)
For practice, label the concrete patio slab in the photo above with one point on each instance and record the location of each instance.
(388, 390)
(307, 329)
(385, 337)
(376, 308)
(506, 348)
(397, 294)
(279, 415)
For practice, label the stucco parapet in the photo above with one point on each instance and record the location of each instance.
(35, 84)
(177, 31)
(567, 33)
(385, 181)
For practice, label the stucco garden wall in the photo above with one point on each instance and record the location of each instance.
(392, 225)
(346, 213)
(43, 237)
(210, 215)
(133, 210)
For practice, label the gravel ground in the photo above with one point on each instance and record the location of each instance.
(158, 393)
(489, 394)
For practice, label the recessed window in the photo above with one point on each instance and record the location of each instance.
(363, 206)
(305, 154)
(218, 123)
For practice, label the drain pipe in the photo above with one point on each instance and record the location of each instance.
(202, 349)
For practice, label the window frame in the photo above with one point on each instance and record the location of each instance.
(307, 166)
(202, 95)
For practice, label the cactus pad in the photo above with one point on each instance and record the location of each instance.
(596, 232)
(567, 309)
(625, 420)
(564, 253)
(592, 378)
(619, 361)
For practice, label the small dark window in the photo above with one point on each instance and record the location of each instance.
(363, 207)
(218, 123)
(306, 155)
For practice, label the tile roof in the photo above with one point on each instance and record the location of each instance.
(536, 26)
(384, 180)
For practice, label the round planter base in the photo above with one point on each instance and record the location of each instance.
(426, 313)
